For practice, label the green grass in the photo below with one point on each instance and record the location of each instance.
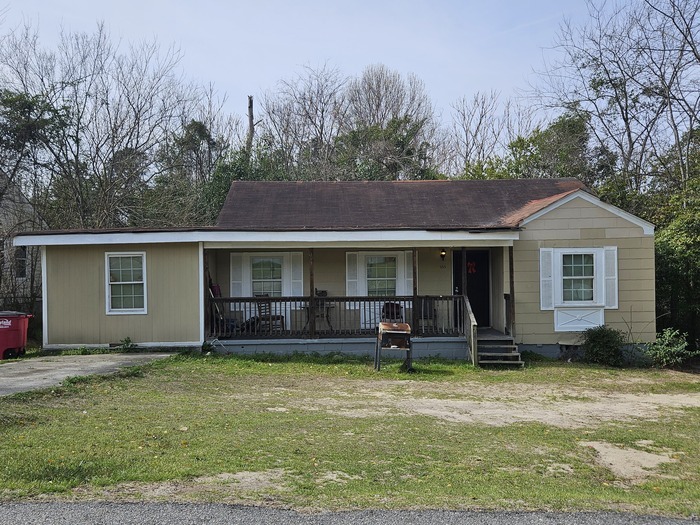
(315, 426)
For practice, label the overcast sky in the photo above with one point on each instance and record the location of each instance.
(245, 47)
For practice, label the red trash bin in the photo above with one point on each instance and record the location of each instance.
(13, 333)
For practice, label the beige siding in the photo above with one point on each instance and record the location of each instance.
(579, 223)
(77, 304)
(434, 275)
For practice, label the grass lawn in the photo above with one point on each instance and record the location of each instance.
(331, 433)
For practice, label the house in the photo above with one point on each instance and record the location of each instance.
(515, 264)
(20, 277)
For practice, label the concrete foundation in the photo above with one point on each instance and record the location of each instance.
(445, 347)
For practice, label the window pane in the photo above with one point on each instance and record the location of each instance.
(578, 290)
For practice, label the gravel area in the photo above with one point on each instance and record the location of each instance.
(23, 375)
(96, 513)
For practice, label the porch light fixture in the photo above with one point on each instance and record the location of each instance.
(443, 252)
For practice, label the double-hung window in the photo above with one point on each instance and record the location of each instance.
(266, 275)
(578, 277)
(381, 276)
(126, 283)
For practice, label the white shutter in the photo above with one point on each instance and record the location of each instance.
(546, 279)
(297, 280)
(408, 272)
(351, 274)
(236, 275)
(610, 274)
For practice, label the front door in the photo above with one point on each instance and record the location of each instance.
(477, 266)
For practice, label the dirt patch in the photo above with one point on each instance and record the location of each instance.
(630, 464)
(496, 405)
(564, 413)
(236, 487)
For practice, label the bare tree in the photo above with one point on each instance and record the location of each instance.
(601, 73)
(634, 71)
(303, 119)
(476, 132)
(390, 124)
(122, 109)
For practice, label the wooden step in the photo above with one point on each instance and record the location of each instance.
(511, 348)
(499, 354)
(494, 362)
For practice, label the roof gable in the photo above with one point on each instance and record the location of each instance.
(389, 205)
(647, 227)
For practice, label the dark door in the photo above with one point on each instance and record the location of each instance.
(477, 266)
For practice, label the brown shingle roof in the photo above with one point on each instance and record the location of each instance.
(388, 205)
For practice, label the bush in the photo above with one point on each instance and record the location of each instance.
(603, 345)
(670, 349)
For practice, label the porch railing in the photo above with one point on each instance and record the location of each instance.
(318, 317)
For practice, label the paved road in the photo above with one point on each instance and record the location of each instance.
(22, 375)
(94, 513)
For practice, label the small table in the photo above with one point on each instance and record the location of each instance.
(322, 311)
(394, 336)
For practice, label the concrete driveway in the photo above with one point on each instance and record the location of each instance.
(23, 375)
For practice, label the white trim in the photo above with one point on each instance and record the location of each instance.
(246, 272)
(401, 283)
(288, 239)
(578, 319)
(546, 278)
(44, 299)
(598, 277)
(133, 311)
(647, 227)
(201, 293)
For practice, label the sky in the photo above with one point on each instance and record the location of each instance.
(457, 47)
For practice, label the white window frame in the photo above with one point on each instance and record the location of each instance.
(241, 278)
(108, 288)
(576, 316)
(598, 276)
(281, 278)
(403, 271)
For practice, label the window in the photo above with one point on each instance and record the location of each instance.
(574, 277)
(126, 283)
(378, 274)
(277, 274)
(381, 276)
(266, 273)
(21, 262)
(577, 277)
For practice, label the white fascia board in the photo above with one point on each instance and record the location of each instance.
(647, 227)
(81, 239)
(359, 239)
(298, 239)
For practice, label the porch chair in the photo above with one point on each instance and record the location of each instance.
(268, 321)
(222, 325)
(392, 313)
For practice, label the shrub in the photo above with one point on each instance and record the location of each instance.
(670, 349)
(603, 345)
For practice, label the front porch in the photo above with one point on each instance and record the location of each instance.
(441, 325)
(332, 299)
